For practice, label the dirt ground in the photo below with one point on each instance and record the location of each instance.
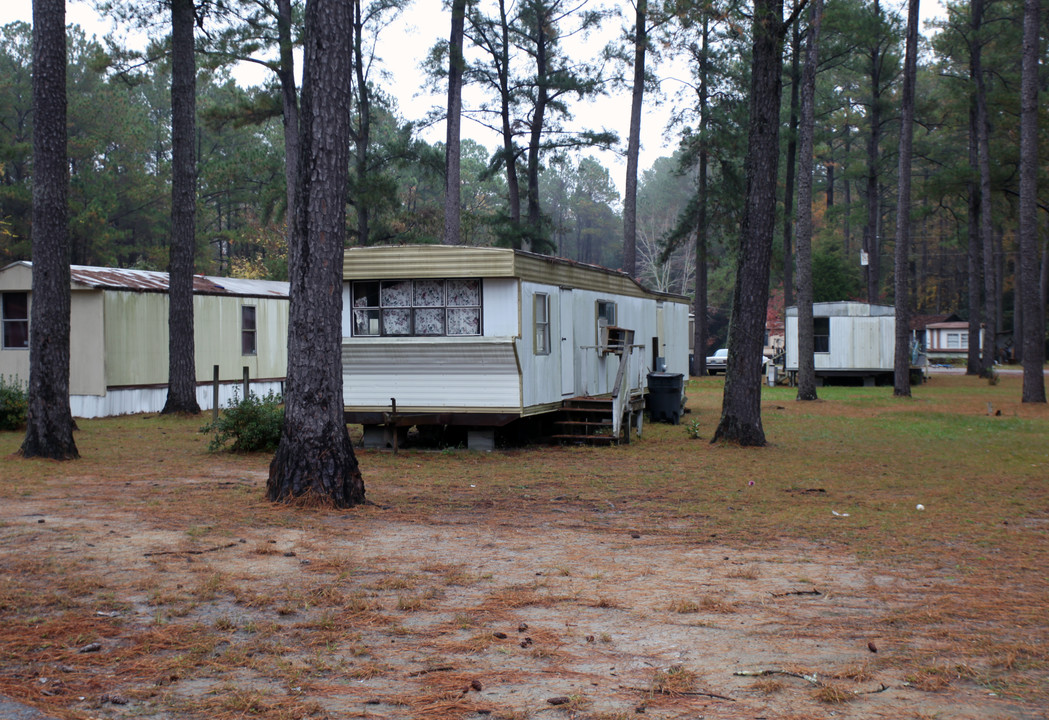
(562, 609)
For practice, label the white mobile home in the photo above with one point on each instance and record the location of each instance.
(481, 337)
(851, 340)
(119, 336)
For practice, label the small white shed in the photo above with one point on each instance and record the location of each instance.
(119, 336)
(482, 337)
(851, 340)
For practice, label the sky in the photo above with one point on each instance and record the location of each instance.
(404, 45)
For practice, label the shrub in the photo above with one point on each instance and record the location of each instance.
(13, 404)
(249, 425)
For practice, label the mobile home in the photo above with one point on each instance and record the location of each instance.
(482, 337)
(119, 336)
(851, 340)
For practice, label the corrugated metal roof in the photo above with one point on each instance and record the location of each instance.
(152, 281)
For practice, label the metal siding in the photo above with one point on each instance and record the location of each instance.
(87, 372)
(541, 374)
(136, 338)
(431, 373)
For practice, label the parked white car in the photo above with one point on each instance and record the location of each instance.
(718, 362)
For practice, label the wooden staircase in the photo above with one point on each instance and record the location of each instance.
(585, 421)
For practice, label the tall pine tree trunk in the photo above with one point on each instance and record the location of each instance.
(290, 103)
(741, 404)
(314, 462)
(452, 153)
(792, 152)
(973, 364)
(182, 371)
(806, 341)
(871, 241)
(1031, 298)
(49, 423)
(983, 145)
(902, 357)
(699, 308)
(634, 140)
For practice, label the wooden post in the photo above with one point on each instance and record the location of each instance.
(245, 382)
(215, 395)
(393, 422)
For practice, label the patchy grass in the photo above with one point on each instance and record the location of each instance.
(547, 571)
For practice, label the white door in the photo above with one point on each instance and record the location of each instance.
(566, 332)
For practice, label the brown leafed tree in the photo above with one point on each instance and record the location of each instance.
(902, 357)
(1031, 297)
(49, 423)
(741, 405)
(182, 372)
(314, 462)
(806, 341)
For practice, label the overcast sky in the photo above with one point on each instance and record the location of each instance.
(404, 45)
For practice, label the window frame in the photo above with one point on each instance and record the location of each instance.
(247, 333)
(541, 326)
(7, 322)
(372, 300)
(601, 320)
(817, 346)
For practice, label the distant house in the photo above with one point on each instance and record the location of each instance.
(852, 340)
(479, 338)
(948, 340)
(119, 336)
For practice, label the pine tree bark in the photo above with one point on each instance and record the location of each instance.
(1031, 297)
(182, 371)
(806, 341)
(973, 364)
(315, 462)
(49, 423)
(871, 242)
(741, 404)
(290, 103)
(983, 145)
(452, 145)
(789, 216)
(634, 140)
(699, 309)
(902, 356)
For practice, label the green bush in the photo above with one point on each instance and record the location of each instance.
(13, 404)
(249, 425)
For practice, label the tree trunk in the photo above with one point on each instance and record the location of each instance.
(741, 405)
(513, 188)
(699, 310)
(290, 103)
(314, 462)
(49, 423)
(806, 342)
(1031, 297)
(902, 357)
(452, 143)
(182, 371)
(535, 217)
(983, 143)
(871, 243)
(792, 152)
(634, 141)
(973, 364)
(362, 138)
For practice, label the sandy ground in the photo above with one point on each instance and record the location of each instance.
(542, 613)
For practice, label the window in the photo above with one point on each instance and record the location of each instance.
(541, 319)
(14, 309)
(606, 315)
(417, 308)
(957, 341)
(248, 336)
(821, 334)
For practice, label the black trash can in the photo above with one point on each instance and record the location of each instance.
(664, 397)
